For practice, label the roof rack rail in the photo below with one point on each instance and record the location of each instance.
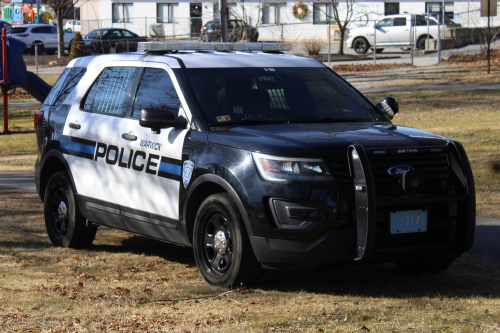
(203, 46)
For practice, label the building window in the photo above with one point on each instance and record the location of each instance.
(216, 10)
(122, 12)
(166, 12)
(436, 9)
(391, 8)
(275, 13)
(323, 13)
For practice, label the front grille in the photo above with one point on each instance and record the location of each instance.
(434, 166)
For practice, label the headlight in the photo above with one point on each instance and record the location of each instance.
(284, 169)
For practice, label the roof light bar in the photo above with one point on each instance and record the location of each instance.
(193, 46)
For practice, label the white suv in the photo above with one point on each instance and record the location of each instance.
(44, 35)
(394, 31)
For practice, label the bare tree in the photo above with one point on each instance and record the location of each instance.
(342, 21)
(60, 8)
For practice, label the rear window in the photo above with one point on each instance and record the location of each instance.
(16, 30)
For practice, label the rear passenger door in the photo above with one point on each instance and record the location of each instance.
(90, 143)
(400, 31)
(152, 163)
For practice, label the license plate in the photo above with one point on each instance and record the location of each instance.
(408, 221)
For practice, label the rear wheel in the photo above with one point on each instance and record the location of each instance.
(427, 265)
(222, 249)
(65, 223)
(360, 45)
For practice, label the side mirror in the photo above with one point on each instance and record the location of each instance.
(389, 106)
(156, 119)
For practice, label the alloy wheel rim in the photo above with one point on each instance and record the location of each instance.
(217, 244)
(59, 211)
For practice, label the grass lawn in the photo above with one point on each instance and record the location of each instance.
(126, 283)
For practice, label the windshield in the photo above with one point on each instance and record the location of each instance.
(277, 95)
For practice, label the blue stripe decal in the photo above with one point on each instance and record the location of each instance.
(75, 146)
(170, 168)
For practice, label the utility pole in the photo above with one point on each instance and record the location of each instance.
(223, 19)
(489, 36)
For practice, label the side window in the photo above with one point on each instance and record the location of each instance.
(384, 23)
(156, 90)
(53, 30)
(107, 94)
(36, 30)
(399, 22)
(57, 87)
(75, 75)
(127, 33)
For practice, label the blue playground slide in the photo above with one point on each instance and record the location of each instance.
(18, 76)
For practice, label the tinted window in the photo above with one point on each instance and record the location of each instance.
(116, 34)
(38, 30)
(57, 87)
(156, 90)
(53, 30)
(16, 30)
(399, 22)
(283, 94)
(64, 86)
(127, 33)
(107, 94)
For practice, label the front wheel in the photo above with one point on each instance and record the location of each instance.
(65, 223)
(360, 45)
(222, 249)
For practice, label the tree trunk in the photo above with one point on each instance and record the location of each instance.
(341, 45)
(60, 34)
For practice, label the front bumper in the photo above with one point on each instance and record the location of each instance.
(450, 232)
(349, 42)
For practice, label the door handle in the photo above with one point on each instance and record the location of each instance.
(75, 126)
(129, 137)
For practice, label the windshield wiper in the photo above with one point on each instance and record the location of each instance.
(247, 122)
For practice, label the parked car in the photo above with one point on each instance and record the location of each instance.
(256, 161)
(112, 40)
(237, 30)
(45, 35)
(394, 31)
(72, 26)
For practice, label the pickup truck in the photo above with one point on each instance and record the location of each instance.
(394, 31)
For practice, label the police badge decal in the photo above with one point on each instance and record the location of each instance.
(187, 171)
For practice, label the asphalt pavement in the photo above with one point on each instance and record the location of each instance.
(485, 245)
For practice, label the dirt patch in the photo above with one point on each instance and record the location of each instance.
(468, 58)
(366, 67)
(44, 60)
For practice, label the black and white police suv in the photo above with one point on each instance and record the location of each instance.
(255, 158)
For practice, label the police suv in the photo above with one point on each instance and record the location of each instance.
(256, 159)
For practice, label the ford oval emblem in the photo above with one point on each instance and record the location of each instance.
(399, 170)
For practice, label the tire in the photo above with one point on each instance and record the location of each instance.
(222, 248)
(65, 223)
(421, 43)
(40, 48)
(69, 30)
(360, 45)
(428, 265)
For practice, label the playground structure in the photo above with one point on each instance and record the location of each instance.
(14, 75)
(23, 11)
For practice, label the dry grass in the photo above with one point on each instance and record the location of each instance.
(118, 285)
(447, 73)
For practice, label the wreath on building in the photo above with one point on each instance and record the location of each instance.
(299, 10)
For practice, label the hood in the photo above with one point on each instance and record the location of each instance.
(323, 139)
